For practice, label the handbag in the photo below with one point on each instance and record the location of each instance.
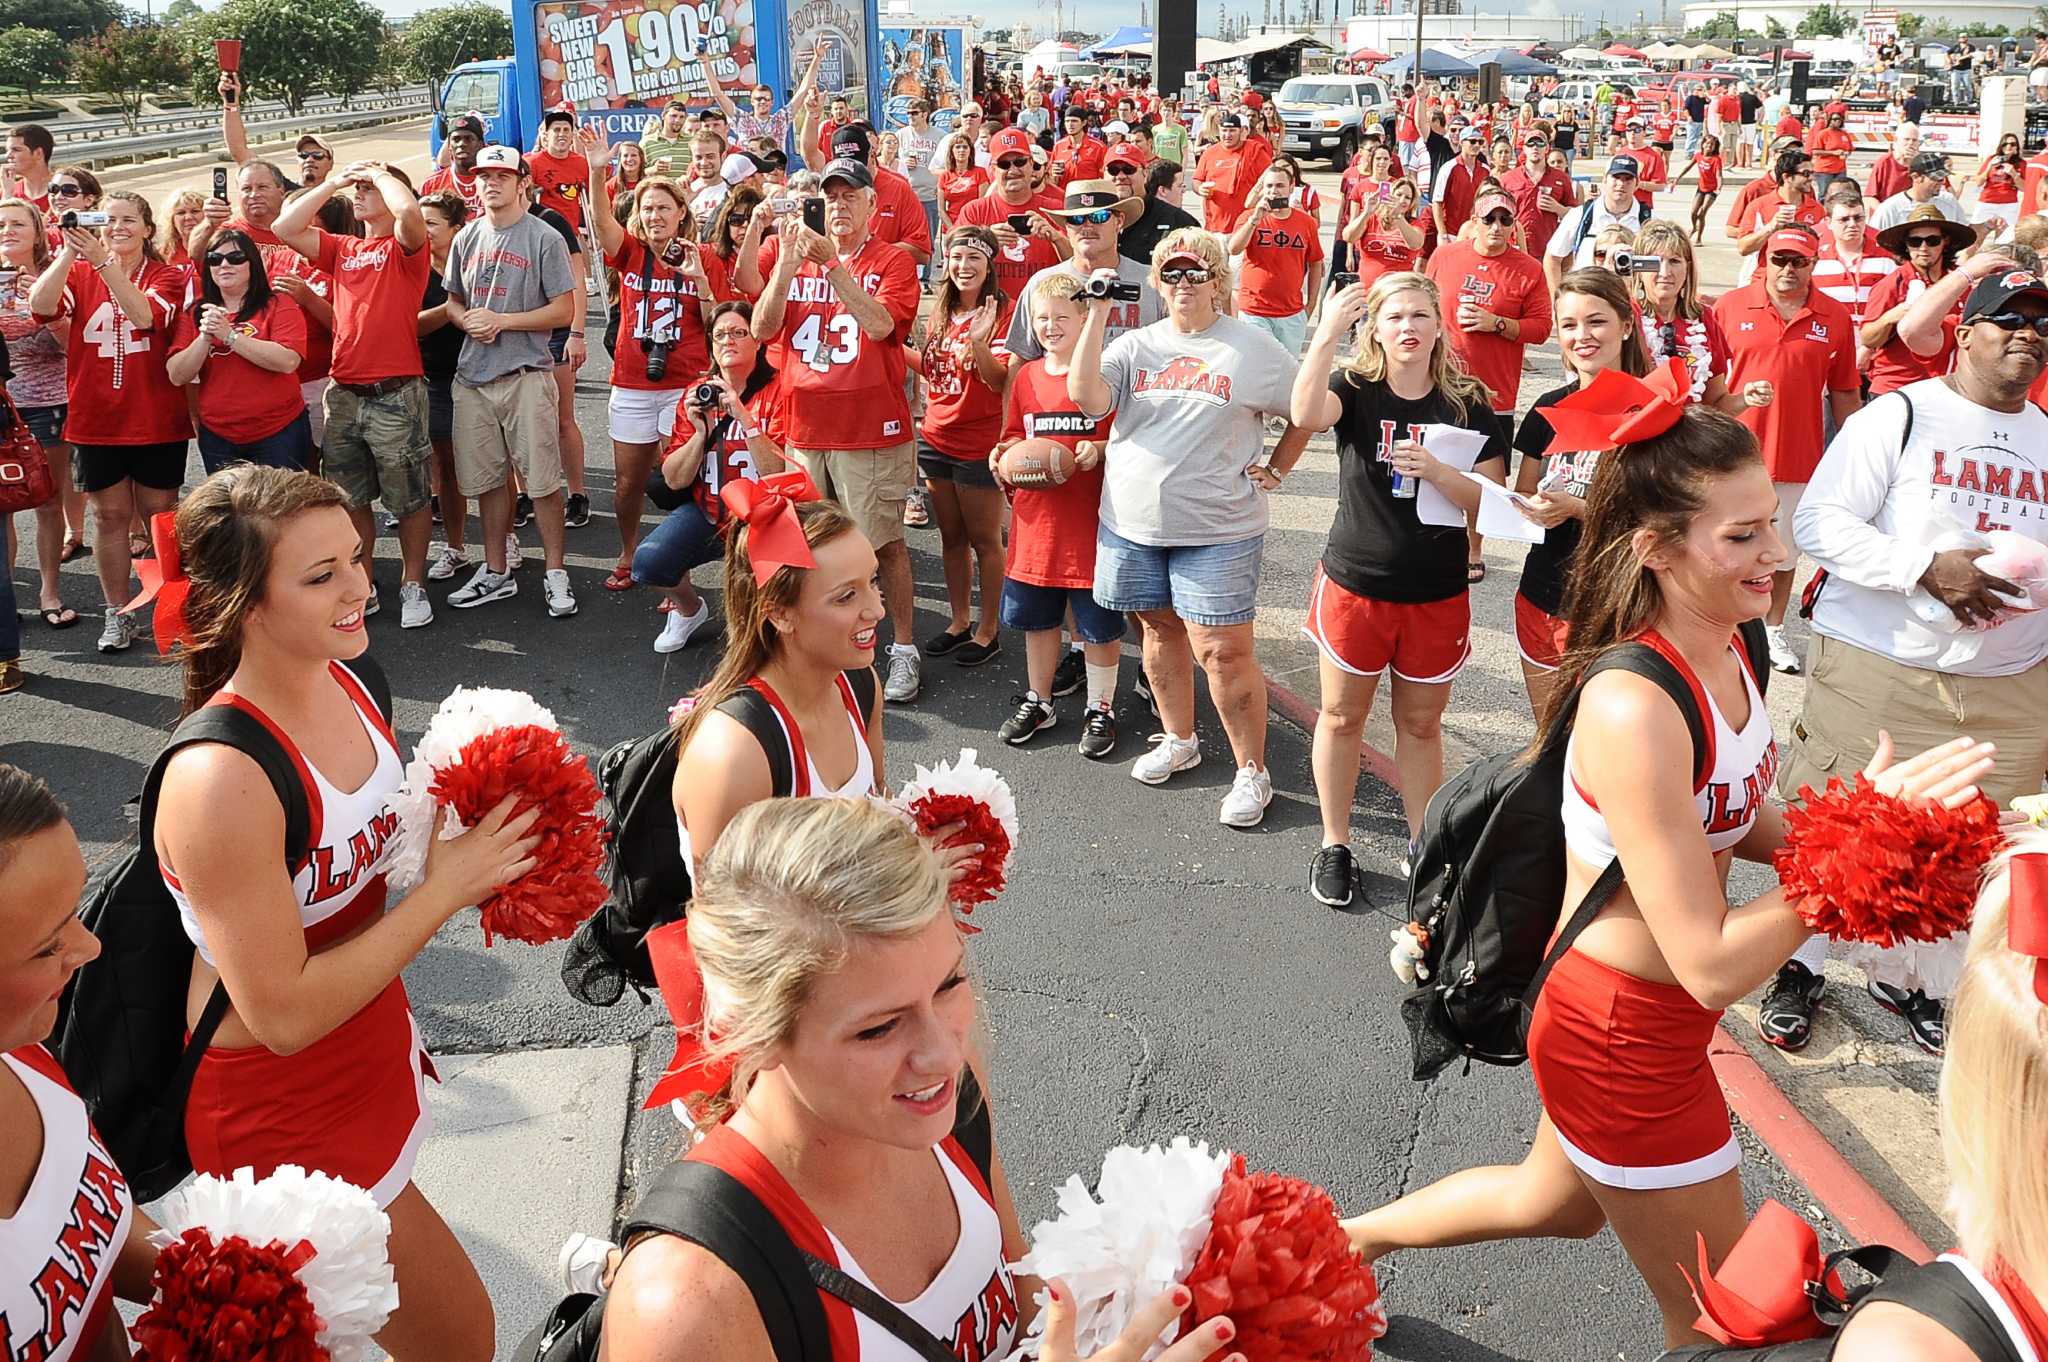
(26, 481)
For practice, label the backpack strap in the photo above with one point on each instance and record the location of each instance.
(1810, 597)
(974, 1130)
(880, 1309)
(1943, 1292)
(760, 716)
(371, 676)
(864, 685)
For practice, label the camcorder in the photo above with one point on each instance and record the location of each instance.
(1116, 290)
(86, 219)
(1627, 262)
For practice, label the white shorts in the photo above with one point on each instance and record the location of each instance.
(315, 393)
(1788, 503)
(643, 416)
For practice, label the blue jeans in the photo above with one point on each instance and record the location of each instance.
(1693, 133)
(1030, 608)
(684, 539)
(10, 623)
(1208, 584)
(1961, 88)
(288, 448)
(937, 263)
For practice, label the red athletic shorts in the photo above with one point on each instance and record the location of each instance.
(1539, 635)
(1429, 642)
(1621, 1065)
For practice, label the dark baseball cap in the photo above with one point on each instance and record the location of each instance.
(1625, 165)
(1932, 164)
(854, 172)
(561, 113)
(1230, 120)
(1994, 292)
(852, 141)
(469, 122)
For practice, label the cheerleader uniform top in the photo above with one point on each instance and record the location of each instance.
(1740, 767)
(2019, 1311)
(57, 1250)
(341, 884)
(971, 1305)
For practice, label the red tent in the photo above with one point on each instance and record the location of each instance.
(1370, 54)
(1622, 50)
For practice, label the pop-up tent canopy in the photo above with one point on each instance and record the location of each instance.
(1434, 63)
(1129, 38)
(1512, 63)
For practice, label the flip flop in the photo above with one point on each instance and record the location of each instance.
(140, 546)
(620, 580)
(74, 549)
(1475, 572)
(60, 616)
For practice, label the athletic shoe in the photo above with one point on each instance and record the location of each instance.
(522, 511)
(434, 504)
(1144, 689)
(1783, 659)
(415, 611)
(974, 652)
(514, 555)
(444, 561)
(1168, 755)
(1072, 672)
(1922, 1015)
(1098, 733)
(1250, 793)
(1032, 717)
(906, 673)
(117, 633)
(1333, 877)
(1785, 1018)
(676, 631)
(917, 508)
(576, 511)
(372, 605)
(486, 586)
(582, 1261)
(1406, 865)
(554, 584)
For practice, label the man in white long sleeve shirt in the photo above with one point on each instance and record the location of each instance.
(1964, 452)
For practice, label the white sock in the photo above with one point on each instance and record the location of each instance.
(1814, 954)
(1101, 686)
(1074, 645)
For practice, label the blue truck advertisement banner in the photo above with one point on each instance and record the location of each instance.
(842, 30)
(923, 63)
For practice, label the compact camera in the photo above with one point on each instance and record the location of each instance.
(706, 396)
(1116, 290)
(87, 219)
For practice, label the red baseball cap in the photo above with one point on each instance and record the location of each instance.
(1802, 243)
(1009, 142)
(1122, 156)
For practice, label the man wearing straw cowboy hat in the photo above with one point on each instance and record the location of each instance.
(1095, 213)
(1928, 242)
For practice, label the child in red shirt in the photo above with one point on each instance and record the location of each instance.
(1708, 161)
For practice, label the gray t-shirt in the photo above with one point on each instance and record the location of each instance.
(1190, 419)
(1123, 317)
(1900, 206)
(924, 146)
(512, 269)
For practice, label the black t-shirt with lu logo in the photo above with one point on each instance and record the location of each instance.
(1378, 547)
(1544, 570)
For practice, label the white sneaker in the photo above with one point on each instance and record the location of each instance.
(1783, 659)
(514, 555)
(484, 587)
(1168, 755)
(415, 611)
(676, 631)
(554, 584)
(906, 673)
(444, 561)
(582, 1262)
(118, 632)
(1250, 793)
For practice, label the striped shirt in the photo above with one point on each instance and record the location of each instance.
(1849, 279)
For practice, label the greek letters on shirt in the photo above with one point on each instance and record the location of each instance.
(983, 1327)
(1279, 238)
(74, 1263)
(1980, 481)
(1185, 376)
(365, 850)
(1723, 812)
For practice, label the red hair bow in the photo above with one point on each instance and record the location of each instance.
(1617, 409)
(775, 537)
(682, 992)
(164, 581)
(1759, 1298)
(2026, 924)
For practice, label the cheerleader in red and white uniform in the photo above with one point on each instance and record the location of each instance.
(317, 1061)
(1679, 551)
(71, 1239)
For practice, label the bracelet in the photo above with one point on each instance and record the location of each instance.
(577, 334)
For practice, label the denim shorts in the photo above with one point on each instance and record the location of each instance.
(684, 539)
(1209, 584)
(46, 423)
(1032, 608)
(937, 466)
(289, 447)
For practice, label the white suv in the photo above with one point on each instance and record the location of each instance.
(1325, 114)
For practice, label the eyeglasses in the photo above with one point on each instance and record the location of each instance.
(65, 188)
(316, 156)
(1926, 240)
(1098, 217)
(1188, 275)
(1012, 162)
(1499, 218)
(226, 258)
(1788, 260)
(732, 333)
(2015, 321)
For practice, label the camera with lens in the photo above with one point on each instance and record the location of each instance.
(87, 219)
(1116, 290)
(1625, 262)
(658, 348)
(706, 396)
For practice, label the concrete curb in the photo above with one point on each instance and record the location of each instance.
(1854, 1204)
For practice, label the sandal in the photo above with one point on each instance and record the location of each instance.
(620, 580)
(11, 678)
(73, 550)
(1475, 572)
(140, 546)
(59, 616)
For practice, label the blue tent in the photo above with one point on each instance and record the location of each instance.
(1434, 63)
(1512, 63)
(1124, 37)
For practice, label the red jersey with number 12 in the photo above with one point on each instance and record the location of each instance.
(655, 298)
(120, 393)
(846, 388)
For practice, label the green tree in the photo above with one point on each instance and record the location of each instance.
(439, 40)
(126, 61)
(30, 56)
(1722, 26)
(181, 11)
(70, 20)
(292, 49)
(1824, 21)
(1910, 24)
(1774, 29)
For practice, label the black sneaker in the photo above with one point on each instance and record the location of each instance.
(1922, 1015)
(1144, 690)
(1333, 877)
(1072, 671)
(1032, 717)
(576, 511)
(1786, 1017)
(435, 504)
(974, 652)
(522, 511)
(1098, 732)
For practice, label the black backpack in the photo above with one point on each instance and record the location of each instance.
(650, 881)
(1937, 1290)
(711, 1208)
(1489, 874)
(120, 1032)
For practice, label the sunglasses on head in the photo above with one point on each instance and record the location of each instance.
(234, 257)
(1791, 260)
(1500, 217)
(1926, 240)
(2015, 321)
(66, 187)
(1012, 162)
(1189, 274)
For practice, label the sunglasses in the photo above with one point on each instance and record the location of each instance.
(316, 156)
(1184, 275)
(226, 258)
(1499, 218)
(1926, 240)
(1099, 216)
(1012, 162)
(2014, 321)
(1787, 260)
(65, 187)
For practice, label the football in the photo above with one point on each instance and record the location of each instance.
(1036, 463)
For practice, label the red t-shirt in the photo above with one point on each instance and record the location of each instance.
(1235, 175)
(319, 352)
(469, 190)
(963, 416)
(1510, 284)
(1804, 359)
(1276, 262)
(1383, 250)
(958, 188)
(1764, 207)
(1830, 148)
(1077, 158)
(114, 375)
(1894, 365)
(1730, 109)
(1016, 265)
(262, 236)
(655, 298)
(1661, 128)
(729, 458)
(845, 388)
(898, 217)
(1790, 126)
(1052, 529)
(243, 402)
(2001, 185)
(564, 182)
(1710, 173)
(377, 290)
(1651, 162)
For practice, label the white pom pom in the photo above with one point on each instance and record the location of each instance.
(349, 1279)
(965, 776)
(463, 717)
(1134, 1237)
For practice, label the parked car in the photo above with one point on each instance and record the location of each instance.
(1325, 114)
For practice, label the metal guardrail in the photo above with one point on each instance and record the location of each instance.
(206, 134)
(84, 131)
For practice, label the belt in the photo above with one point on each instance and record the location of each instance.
(383, 387)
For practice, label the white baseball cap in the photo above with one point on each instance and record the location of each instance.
(501, 158)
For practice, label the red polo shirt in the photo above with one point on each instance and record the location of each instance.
(1537, 225)
(1455, 189)
(1895, 365)
(1804, 359)
(1077, 158)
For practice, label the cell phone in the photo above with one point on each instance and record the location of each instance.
(220, 183)
(1343, 279)
(1020, 223)
(782, 205)
(814, 215)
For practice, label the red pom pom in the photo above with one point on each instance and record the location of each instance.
(983, 878)
(229, 1301)
(1863, 866)
(1278, 1263)
(550, 901)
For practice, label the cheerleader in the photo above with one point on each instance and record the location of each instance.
(318, 1061)
(1678, 551)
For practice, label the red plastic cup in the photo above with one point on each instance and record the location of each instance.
(228, 53)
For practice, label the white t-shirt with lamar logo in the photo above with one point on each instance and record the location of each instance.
(1872, 510)
(1190, 421)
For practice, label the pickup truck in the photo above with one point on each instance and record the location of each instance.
(1325, 114)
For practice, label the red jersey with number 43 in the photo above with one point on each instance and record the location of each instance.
(845, 387)
(963, 416)
(1052, 529)
(729, 458)
(114, 375)
(655, 300)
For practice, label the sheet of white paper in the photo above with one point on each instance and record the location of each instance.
(1457, 447)
(1499, 518)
